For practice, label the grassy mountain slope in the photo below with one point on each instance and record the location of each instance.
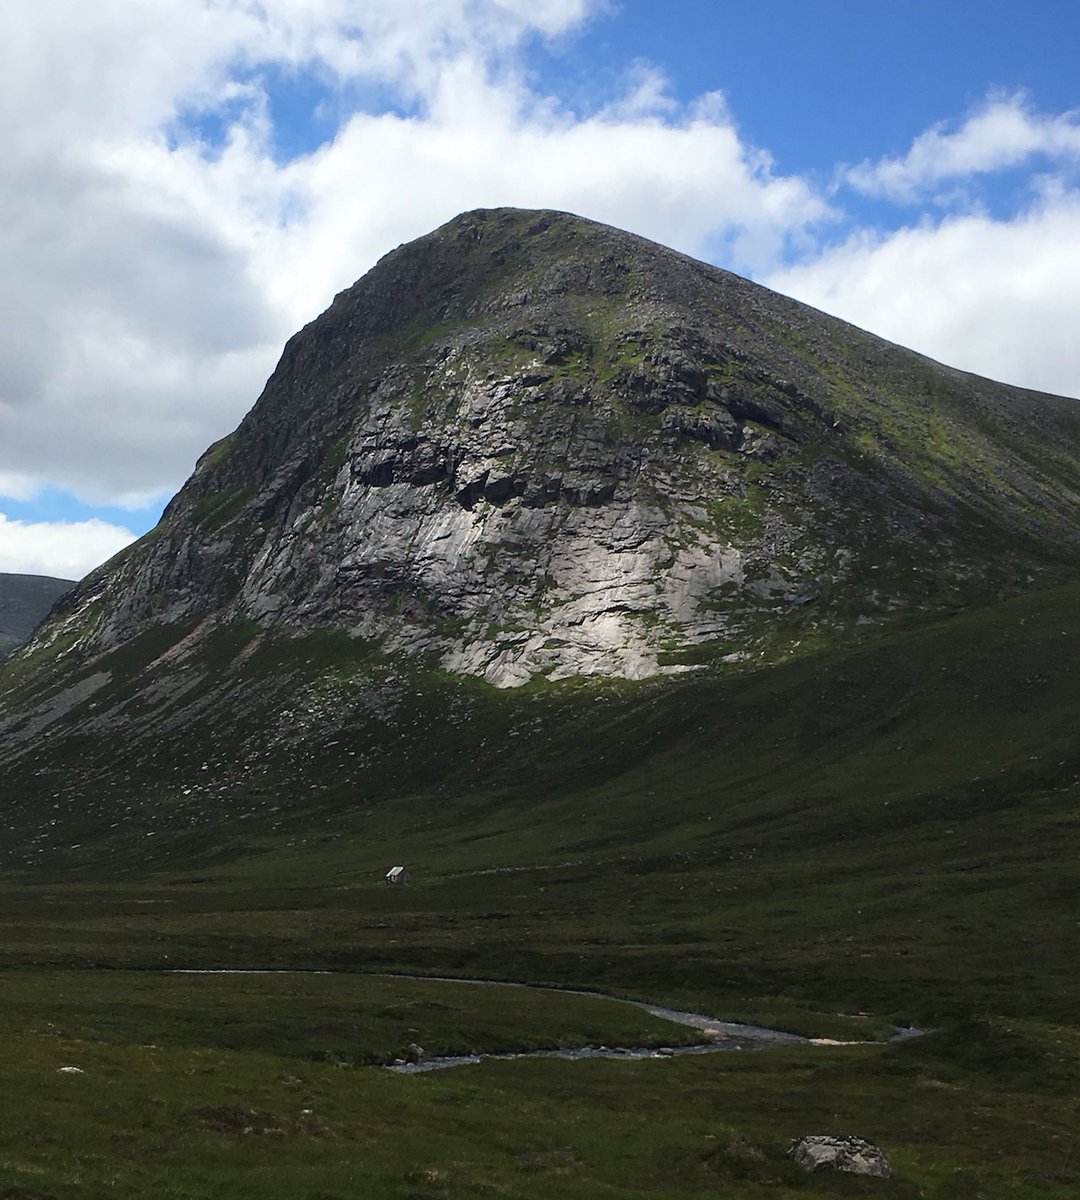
(831, 845)
(887, 827)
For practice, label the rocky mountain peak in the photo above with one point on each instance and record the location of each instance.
(528, 444)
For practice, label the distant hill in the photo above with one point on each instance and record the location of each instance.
(24, 602)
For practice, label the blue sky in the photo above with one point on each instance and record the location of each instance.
(206, 174)
(830, 81)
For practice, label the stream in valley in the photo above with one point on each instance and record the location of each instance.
(718, 1035)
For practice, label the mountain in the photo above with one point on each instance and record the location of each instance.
(526, 449)
(25, 601)
(837, 794)
(528, 444)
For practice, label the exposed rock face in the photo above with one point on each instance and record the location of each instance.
(529, 444)
(25, 600)
(854, 1155)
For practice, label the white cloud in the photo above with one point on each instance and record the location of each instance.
(1004, 132)
(150, 280)
(152, 275)
(18, 486)
(995, 297)
(66, 550)
(685, 179)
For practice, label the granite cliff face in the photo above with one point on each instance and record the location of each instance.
(530, 444)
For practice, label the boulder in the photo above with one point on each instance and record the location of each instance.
(853, 1154)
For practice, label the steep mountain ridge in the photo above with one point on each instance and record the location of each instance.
(529, 444)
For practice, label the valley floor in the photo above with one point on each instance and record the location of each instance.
(134, 1083)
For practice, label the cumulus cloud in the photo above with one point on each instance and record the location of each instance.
(683, 178)
(158, 248)
(64, 549)
(1003, 132)
(992, 296)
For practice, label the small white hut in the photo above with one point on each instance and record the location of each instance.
(397, 875)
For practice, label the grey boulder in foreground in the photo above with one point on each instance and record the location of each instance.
(852, 1154)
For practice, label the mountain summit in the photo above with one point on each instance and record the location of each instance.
(531, 444)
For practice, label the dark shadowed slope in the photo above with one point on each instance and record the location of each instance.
(25, 601)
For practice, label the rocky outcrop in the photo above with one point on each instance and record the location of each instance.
(529, 444)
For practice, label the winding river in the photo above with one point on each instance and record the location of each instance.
(718, 1035)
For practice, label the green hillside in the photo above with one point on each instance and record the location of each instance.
(889, 827)
(890, 832)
